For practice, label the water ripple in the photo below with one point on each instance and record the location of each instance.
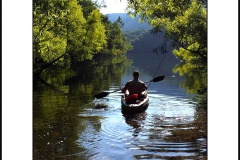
(166, 130)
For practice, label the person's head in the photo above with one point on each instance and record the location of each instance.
(135, 74)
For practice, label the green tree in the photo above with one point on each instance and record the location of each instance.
(60, 31)
(68, 31)
(89, 5)
(95, 38)
(182, 21)
(49, 35)
(117, 43)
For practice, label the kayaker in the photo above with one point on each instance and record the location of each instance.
(135, 88)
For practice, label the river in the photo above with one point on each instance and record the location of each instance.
(69, 124)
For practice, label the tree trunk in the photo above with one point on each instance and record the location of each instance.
(47, 65)
(50, 63)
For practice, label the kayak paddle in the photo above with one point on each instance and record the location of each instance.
(104, 94)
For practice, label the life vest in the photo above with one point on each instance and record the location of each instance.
(131, 98)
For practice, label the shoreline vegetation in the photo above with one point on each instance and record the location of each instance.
(70, 32)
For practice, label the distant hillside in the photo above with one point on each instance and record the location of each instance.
(144, 43)
(145, 46)
(129, 23)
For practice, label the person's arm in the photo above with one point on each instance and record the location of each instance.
(144, 87)
(144, 90)
(125, 88)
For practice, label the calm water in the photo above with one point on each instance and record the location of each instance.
(69, 124)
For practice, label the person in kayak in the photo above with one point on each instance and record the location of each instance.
(135, 89)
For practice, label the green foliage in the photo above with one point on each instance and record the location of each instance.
(88, 6)
(49, 37)
(185, 22)
(182, 21)
(134, 35)
(65, 32)
(95, 37)
(120, 22)
(54, 25)
(116, 41)
(75, 27)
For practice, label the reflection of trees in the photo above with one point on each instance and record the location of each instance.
(54, 78)
(100, 73)
(60, 95)
(57, 124)
(86, 77)
(54, 126)
(196, 79)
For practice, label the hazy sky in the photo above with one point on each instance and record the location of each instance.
(114, 6)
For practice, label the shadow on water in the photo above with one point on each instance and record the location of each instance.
(135, 120)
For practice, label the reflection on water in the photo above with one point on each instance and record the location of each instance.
(73, 125)
(170, 127)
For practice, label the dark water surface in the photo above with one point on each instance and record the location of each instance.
(71, 125)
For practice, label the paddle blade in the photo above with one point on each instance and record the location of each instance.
(157, 79)
(101, 95)
(104, 94)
